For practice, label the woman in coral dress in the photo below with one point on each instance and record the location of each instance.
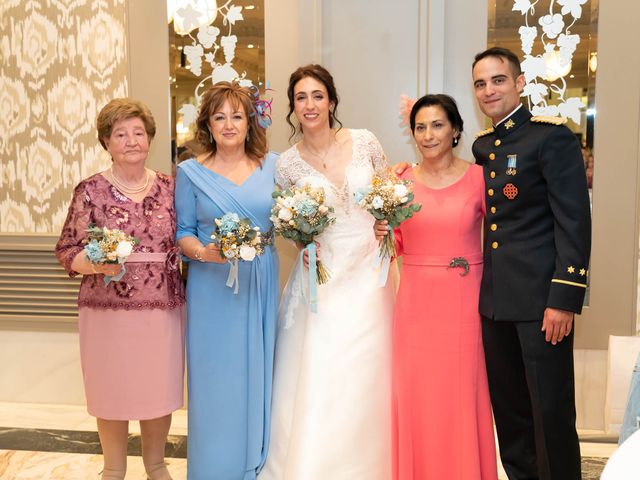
(442, 424)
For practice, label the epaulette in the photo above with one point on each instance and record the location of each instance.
(549, 120)
(484, 132)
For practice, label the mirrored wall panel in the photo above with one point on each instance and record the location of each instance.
(210, 41)
(557, 42)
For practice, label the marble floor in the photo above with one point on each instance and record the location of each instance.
(54, 442)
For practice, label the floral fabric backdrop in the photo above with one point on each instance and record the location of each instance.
(60, 62)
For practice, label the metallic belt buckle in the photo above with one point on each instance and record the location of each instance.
(460, 262)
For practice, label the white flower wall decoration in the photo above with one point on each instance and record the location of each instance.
(544, 72)
(209, 44)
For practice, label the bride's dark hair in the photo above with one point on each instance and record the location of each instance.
(322, 75)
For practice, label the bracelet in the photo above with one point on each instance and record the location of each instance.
(198, 254)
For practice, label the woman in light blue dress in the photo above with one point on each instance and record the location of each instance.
(230, 336)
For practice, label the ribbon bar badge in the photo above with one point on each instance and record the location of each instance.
(512, 161)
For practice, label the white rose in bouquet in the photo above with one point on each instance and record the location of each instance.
(247, 253)
(124, 249)
(285, 214)
(377, 202)
(400, 191)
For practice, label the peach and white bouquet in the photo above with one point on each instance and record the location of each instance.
(388, 198)
(300, 214)
(108, 245)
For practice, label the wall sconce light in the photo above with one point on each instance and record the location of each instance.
(593, 62)
(554, 68)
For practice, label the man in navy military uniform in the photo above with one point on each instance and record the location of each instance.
(537, 244)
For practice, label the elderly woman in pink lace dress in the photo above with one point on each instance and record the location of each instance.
(131, 330)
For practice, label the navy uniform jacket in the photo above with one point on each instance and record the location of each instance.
(538, 225)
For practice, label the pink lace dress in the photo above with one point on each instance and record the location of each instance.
(131, 331)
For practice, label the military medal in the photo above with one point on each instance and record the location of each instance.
(511, 164)
(510, 191)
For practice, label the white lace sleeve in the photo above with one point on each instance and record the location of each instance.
(290, 168)
(375, 151)
(283, 174)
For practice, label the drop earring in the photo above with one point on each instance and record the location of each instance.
(210, 137)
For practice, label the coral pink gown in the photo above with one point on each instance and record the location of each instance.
(442, 424)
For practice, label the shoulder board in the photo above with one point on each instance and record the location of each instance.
(549, 120)
(484, 132)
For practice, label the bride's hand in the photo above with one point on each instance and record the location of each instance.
(381, 229)
(305, 255)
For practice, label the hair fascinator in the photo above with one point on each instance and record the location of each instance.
(262, 108)
(406, 104)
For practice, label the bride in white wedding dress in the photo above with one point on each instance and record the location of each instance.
(332, 391)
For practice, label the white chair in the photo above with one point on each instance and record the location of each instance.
(624, 464)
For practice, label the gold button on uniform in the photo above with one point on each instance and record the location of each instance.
(493, 209)
(490, 192)
(497, 142)
(492, 156)
(494, 245)
(492, 174)
(494, 227)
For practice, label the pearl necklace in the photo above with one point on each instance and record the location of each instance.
(121, 186)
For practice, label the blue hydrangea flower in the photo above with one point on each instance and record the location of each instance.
(360, 194)
(229, 222)
(306, 207)
(93, 251)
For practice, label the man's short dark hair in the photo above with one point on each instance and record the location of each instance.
(503, 54)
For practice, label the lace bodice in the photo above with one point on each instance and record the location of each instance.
(350, 238)
(152, 221)
(367, 157)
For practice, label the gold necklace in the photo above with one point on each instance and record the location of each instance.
(321, 157)
(126, 189)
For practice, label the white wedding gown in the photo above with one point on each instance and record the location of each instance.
(332, 384)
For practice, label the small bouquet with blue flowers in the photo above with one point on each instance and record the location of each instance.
(106, 245)
(388, 198)
(238, 239)
(300, 214)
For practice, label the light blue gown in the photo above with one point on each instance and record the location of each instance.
(230, 338)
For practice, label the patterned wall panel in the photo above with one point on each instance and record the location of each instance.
(60, 62)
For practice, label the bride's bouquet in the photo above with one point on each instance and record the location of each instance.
(300, 214)
(105, 245)
(238, 239)
(388, 198)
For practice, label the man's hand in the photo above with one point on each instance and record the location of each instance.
(556, 324)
